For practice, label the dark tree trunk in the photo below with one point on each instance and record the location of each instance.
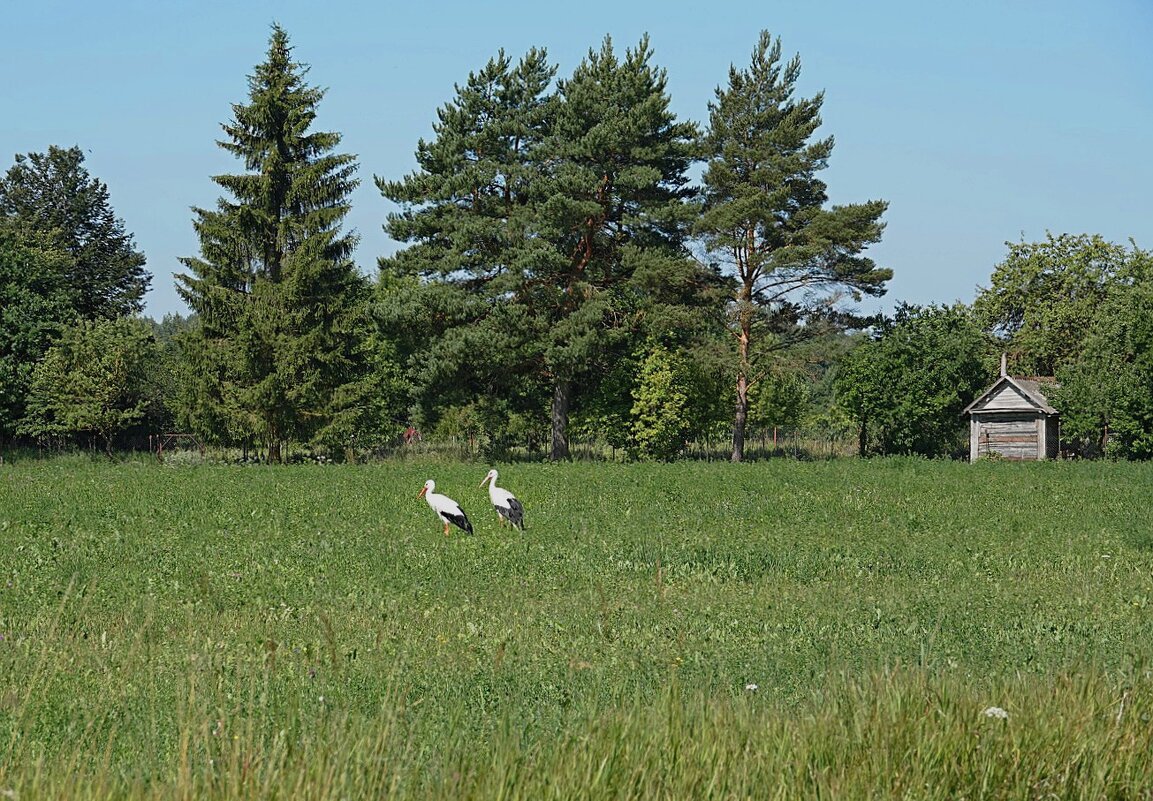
(560, 401)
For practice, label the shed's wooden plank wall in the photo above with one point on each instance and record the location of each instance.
(1010, 437)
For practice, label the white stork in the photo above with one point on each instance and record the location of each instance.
(506, 505)
(446, 508)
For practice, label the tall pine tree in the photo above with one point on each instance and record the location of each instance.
(617, 216)
(279, 352)
(548, 230)
(469, 212)
(765, 217)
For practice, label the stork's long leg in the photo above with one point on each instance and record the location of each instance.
(446, 529)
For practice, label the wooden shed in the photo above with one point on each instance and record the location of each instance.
(1014, 420)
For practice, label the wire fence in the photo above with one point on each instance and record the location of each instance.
(179, 448)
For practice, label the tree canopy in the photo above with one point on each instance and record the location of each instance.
(905, 388)
(546, 229)
(449, 300)
(94, 381)
(1044, 297)
(35, 305)
(560, 274)
(1106, 393)
(64, 256)
(53, 194)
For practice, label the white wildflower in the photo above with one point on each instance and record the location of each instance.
(751, 687)
(996, 712)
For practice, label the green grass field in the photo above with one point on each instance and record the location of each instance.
(307, 632)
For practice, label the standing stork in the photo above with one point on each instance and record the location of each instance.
(506, 505)
(446, 508)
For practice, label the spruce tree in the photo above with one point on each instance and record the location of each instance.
(765, 217)
(279, 352)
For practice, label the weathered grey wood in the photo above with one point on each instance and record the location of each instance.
(1008, 397)
(1008, 436)
(1012, 419)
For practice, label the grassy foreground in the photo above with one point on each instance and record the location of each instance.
(770, 630)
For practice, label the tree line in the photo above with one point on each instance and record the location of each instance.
(560, 275)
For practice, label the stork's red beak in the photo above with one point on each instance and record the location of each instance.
(422, 491)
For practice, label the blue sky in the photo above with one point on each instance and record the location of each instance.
(980, 122)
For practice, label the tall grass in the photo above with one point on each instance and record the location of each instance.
(307, 632)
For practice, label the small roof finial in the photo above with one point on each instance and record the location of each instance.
(1004, 362)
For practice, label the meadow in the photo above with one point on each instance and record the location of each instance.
(780, 629)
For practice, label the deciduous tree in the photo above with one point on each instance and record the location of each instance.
(96, 380)
(1106, 395)
(35, 304)
(1044, 297)
(53, 194)
(905, 389)
(660, 411)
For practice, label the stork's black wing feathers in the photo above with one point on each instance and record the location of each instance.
(515, 513)
(460, 520)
